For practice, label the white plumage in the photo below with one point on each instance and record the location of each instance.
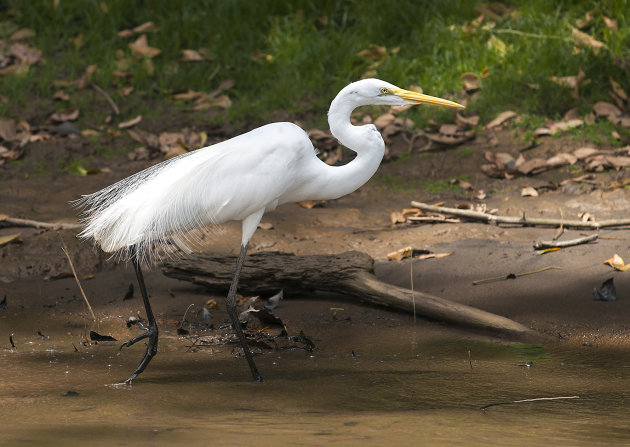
(238, 179)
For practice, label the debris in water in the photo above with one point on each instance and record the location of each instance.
(3, 303)
(45, 337)
(129, 293)
(95, 336)
(605, 292)
(70, 393)
(11, 341)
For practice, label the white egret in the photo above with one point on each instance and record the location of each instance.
(238, 179)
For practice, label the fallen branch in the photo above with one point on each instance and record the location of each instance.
(526, 221)
(514, 275)
(109, 99)
(7, 221)
(539, 245)
(535, 399)
(349, 274)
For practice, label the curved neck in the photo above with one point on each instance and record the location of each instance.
(366, 141)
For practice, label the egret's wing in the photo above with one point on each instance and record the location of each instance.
(227, 181)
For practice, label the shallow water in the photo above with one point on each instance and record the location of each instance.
(404, 387)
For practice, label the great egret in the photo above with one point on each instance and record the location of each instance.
(237, 179)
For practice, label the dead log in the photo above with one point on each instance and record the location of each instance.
(350, 274)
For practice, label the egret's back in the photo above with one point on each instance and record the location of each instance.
(227, 181)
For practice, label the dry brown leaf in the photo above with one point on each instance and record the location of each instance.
(265, 226)
(573, 82)
(542, 132)
(140, 48)
(65, 115)
(562, 126)
(126, 91)
(432, 256)
(586, 217)
(501, 118)
(191, 56)
(384, 120)
(619, 91)
(147, 27)
(312, 203)
(26, 54)
(470, 82)
(61, 95)
(22, 34)
(617, 263)
(533, 166)
(397, 217)
(586, 40)
(618, 162)
(464, 121)
(610, 23)
(10, 238)
(561, 159)
(529, 191)
(584, 152)
(7, 129)
(188, 95)
(607, 110)
(175, 151)
(130, 123)
(400, 254)
(411, 212)
(90, 133)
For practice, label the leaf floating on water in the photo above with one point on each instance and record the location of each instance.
(95, 336)
(605, 292)
(617, 263)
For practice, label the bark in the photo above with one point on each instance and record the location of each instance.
(350, 274)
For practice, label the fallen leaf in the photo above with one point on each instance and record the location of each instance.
(562, 126)
(561, 159)
(584, 152)
(610, 23)
(587, 217)
(132, 122)
(548, 250)
(464, 121)
(22, 34)
(397, 217)
(470, 82)
(140, 48)
(606, 109)
(175, 151)
(501, 118)
(497, 45)
(400, 254)
(10, 238)
(7, 129)
(573, 82)
(265, 226)
(586, 40)
(432, 256)
(529, 191)
(617, 263)
(65, 115)
(384, 120)
(619, 91)
(312, 203)
(61, 95)
(147, 27)
(191, 56)
(90, 133)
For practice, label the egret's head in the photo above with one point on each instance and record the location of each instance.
(377, 92)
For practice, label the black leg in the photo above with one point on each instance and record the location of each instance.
(231, 308)
(152, 331)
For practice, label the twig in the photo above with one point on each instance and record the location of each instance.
(108, 98)
(538, 245)
(524, 34)
(17, 222)
(514, 275)
(65, 251)
(561, 229)
(535, 399)
(526, 221)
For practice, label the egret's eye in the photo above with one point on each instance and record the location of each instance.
(384, 91)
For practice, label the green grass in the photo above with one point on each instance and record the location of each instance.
(312, 48)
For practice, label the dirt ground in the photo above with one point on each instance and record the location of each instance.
(558, 302)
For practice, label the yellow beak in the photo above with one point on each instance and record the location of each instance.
(419, 98)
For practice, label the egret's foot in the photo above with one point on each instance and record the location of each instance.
(152, 335)
(135, 340)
